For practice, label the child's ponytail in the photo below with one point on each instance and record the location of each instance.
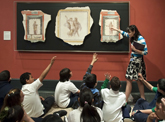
(89, 113)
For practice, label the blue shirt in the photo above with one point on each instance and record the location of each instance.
(140, 40)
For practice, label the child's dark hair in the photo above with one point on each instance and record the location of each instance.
(65, 74)
(4, 75)
(137, 33)
(161, 83)
(52, 118)
(90, 80)
(89, 113)
(12, 98)
(25, 76)
(12, 114)
(115, 83)
(159, 99)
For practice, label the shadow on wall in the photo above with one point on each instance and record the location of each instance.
(153, 72)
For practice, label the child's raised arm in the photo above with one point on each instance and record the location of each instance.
(45, 72)
(107, 78)
(94, 59)
(148, 85)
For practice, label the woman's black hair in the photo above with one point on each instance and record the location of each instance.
(89, 113)
(137, 33)
(65, 74)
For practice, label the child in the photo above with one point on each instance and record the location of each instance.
(157, 113)
(86, 112)
(5, 86)
(90, 81)
(14, 114)
(142, 108)
(113, 100)
(65, 91)
(55, 117)
(14, 98)
(33, 104)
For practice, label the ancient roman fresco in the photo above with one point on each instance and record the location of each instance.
(109, 19)
(73, 24)
(35, 23)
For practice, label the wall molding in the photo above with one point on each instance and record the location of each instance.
(49, 85)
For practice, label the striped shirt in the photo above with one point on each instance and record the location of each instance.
(140, 40)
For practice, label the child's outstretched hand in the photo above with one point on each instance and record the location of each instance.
(94, 59)
(107, 75)
(153, 116)
(53, 59)
(140, 76)
(160, 112)
(133, 112)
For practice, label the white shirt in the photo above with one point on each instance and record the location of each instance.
(113, 102)
(32, 103)
(74, 116)
(62, 93)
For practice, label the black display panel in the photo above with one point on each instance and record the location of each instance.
(91, 42)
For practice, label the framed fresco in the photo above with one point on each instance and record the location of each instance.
(109, 19)
(73, 24)
(70, 27)
(34, 23)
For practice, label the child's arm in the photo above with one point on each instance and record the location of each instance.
(94, 59)
(45, 72)
(148, 85)
(107, 77)
(78, 92)
(146, 111)
(27, 118)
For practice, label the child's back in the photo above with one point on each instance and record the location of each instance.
(62, 93)
(113, 101)
(86, 112)
(90, 82)
(65, 90)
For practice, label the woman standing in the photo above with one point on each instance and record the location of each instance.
(136, 64)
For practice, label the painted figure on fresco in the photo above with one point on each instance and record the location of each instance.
(77, 26)
(73, 26)
(110, 28)
(35, 27)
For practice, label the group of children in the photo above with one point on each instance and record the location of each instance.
(90, 104)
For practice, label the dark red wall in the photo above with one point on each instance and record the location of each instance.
(147, 15)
